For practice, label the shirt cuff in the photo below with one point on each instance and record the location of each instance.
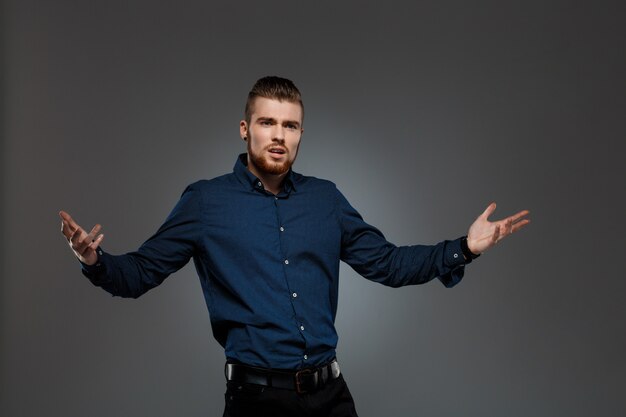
(453, 255)
(92, 270)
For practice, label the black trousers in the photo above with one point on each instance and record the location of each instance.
(250, 400)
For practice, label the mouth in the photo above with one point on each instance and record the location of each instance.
(277, 152)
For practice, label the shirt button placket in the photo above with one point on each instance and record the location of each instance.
(294, 294)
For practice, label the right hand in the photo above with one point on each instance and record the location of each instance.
(83, 244)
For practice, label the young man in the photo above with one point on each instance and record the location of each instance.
(266, 243)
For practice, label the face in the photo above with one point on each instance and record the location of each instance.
(273, 136)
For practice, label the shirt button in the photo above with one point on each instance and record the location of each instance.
(302, 328)
(294, 295)
(282, 229)
(456, 255)
(306, 357)
(259, 183)
(286, 261)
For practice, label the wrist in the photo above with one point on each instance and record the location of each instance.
(93, 260)
(467, 251)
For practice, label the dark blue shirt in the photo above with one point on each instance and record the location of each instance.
(269, 264)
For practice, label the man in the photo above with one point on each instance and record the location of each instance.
(266, 243)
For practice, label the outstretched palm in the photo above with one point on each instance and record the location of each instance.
(484, 234)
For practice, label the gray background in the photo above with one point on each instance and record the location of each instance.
(422, 113)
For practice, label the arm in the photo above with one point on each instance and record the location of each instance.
(134, 273)
(366, 250)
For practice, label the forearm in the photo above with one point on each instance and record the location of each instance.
(123, 275)
(168, 250)
(417, 264)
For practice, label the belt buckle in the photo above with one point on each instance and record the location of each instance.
(299, 383)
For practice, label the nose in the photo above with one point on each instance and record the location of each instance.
(279, 133)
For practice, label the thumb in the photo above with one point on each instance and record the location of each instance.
(488, 211)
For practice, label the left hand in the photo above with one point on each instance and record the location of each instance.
(484, 234)
(83, 244)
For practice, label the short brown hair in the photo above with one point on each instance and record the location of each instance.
(274, 88)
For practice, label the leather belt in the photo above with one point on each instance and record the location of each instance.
(303, 381)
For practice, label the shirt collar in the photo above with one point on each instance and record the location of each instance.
(246, 177)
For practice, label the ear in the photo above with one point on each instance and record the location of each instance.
(243, 129)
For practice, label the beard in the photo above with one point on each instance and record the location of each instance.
(266, 166)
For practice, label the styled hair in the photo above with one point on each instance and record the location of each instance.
(273, 87)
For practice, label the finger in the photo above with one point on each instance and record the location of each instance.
(518, 216)
(66, 229)
(519, 225)
(67, 218)
(488, 211)
(94, 245)
(68, 226)
(79, 241)
(85, 242)
(91, 236)
(496, 235)
(75, 236)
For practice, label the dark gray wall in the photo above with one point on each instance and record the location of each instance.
(421, 112)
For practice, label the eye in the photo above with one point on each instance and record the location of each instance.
(291, 126)
(265, 123)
